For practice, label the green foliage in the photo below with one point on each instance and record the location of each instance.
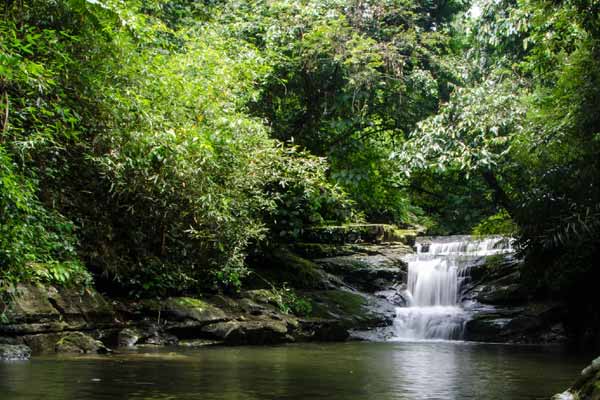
(348, 81)
(160, 142)
(494, 261)
(497, 224)
(289, 302)
(527, 123)
(473, 132)
(36, 245)
(132, 120)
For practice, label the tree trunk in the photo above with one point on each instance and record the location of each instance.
(500, 196)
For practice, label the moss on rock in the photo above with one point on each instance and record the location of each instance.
(182, 308)
(356, 233)
(348, 307)
(283, 266)
(79, 342)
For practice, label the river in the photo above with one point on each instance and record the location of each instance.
(411, 360)
(354, 370)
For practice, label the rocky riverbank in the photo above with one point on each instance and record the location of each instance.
(51, 319)
(352, 278)
(506, 311)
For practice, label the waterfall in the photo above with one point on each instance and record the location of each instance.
(435, 275)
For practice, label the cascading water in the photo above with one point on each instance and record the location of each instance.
(435, 275)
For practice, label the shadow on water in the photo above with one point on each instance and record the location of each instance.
(417, 370)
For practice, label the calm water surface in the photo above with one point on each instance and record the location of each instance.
(378, 371)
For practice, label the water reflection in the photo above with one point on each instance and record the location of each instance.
(420, 370)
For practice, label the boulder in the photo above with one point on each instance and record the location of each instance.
(128, 337)
(29, 304)
(352, 309)
(366, 272)
(282, 266)
(85, 305)
(9, 352)
(79, 342)
(61, 342)
(42, 343)
(188, 308)
(587, 387)
(534, 323)
(256, 332)
(37, 309)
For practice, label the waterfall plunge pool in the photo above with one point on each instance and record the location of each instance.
(417, 363)
(349, 371)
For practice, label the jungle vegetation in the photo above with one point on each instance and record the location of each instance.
(154, 144)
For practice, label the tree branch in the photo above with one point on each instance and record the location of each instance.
(5, 122)
(500, 196)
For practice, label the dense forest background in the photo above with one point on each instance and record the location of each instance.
(152, 145)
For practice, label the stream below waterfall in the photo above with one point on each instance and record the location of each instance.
(420, 357)
(337, 371)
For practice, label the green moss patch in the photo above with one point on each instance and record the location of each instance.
(282, 266)
(338, 304)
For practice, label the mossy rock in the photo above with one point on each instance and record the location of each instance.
(87, 304)
(350, 308)
(189, 308)
(35, 309)
(29, 303)
(283, 266)
(357, 233)
(9, 352)
(322, 250)
(79, 342)
(128, 337)
(256, 332)
(337, 301)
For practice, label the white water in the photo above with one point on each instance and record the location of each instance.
(435, 275)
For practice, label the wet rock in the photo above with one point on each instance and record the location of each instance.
(159, 338)
(187, 308)
(586, 387)
(79, 342)
(128, 337)
(37, 309)
(198, 343)
(323, 330)
(352, 309)
(503, 291)
(283, 266)
(533, 323)
(10, 352)
(496, 280)
(42, 343)
(29, 304)
(394, 296)
(366, 272)
(249, 332)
